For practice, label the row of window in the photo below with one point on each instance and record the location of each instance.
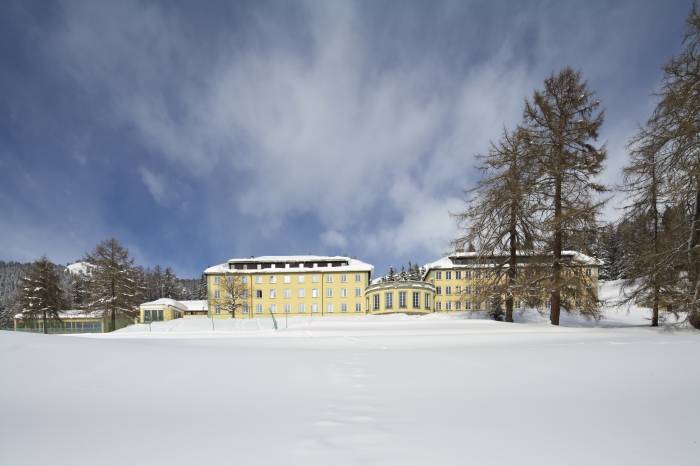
(389, 300)
(301, 308)
(288, 278)
(468, 305)
(467, 274)
(287, 293)
(152, 315)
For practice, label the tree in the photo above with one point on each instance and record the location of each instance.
(500, 216)
(114, 288)
(41, 297)
(201, 292)
(562, 122)
(610, 249)
(169, 285)
(672, 135)
(235, 294)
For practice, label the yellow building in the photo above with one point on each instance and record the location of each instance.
(458, 277)
(289, 285)
(400, 296)
(161, 309)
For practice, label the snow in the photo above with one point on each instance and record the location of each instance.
(165, 302)
(446, 262)
(195, 305)
(374, 390)
(354, 265)
(79, 267)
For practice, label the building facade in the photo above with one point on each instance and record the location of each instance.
(288, 285)
(404, 296)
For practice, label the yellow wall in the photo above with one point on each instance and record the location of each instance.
(353, 300)
(169, 312)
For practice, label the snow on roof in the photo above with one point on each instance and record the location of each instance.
(446, 262)
(166, 302)
(195, 305)
(354, 265)
(79, 267)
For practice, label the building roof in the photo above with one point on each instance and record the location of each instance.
(166, 302)
(447, 261)
(195, 305)
(353, 265)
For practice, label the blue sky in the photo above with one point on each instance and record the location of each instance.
(199, 131)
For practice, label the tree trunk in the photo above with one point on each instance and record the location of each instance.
(113, 320)
(511, 268)
(655, 280)
(556, 264)
(694, 262)
(46, 323)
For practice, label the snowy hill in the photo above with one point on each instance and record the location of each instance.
(79, 267)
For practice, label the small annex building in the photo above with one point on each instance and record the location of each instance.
(169, 309)
(71, 321)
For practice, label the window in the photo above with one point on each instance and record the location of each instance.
(217, 280)
(258, 279)
(273, 308)
(458, 289)
(329, 308)
(314, 307)
(477, 274)
(343, 278)
(438, 306)
(315, 278)
(448, 290)
(458, 274)
(273, 279)
(300, 278)
(388, 300)
(427, 300)
(438, 289)
(217, 294)
(358, 277)
(458, 305)
(329, 292)
(329, 278)
(273, 293)
(258, 294)
(244, 279)
(301, 308)
(438, 275)
(402, 299)
(287, 308)
(258, 308)
(448, 275)
(375, 298)
(358, 307)
(344, 292)
(469, 305)
(589, 271)
(343, 307)
(358, 292)
(287, 279)
(216, 310)
(314, 292)
(448, 306)
(468, 274)
(301, 292)
(416, 300)
(287, 292)
(246, 308)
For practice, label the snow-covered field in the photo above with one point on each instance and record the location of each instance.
(391, 390)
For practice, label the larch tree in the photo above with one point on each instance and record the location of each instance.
(41, 297)
(673, 133)
(114, 287)
(499, 216)
(562, 123)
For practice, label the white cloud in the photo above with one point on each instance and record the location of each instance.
(377, 152)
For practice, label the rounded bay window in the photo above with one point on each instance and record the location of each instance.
(400, 296)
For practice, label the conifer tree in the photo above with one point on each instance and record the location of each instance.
(500, 215)
(672, 134)
(41, 296)
(170, 287)
(562, 123)
(114, 288)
